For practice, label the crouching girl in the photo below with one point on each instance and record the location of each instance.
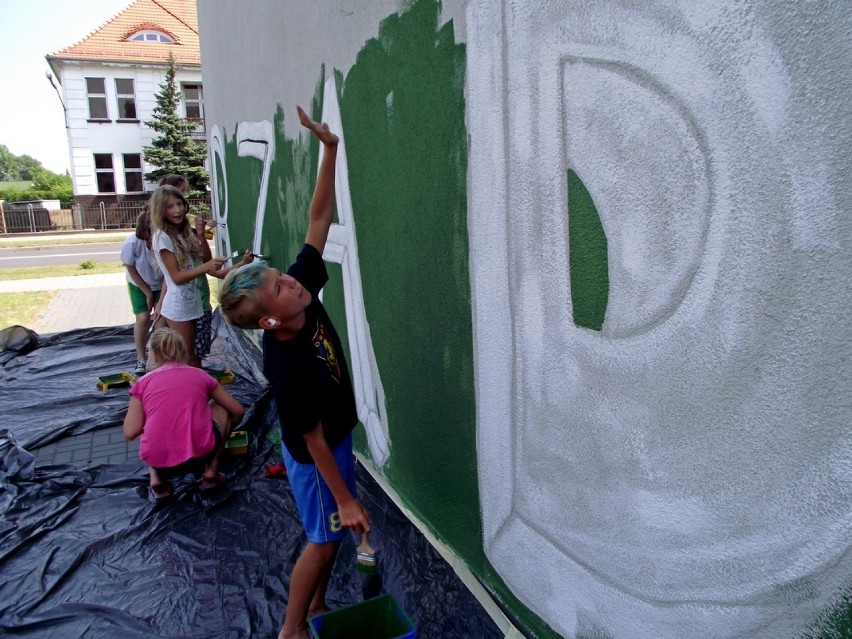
(183, 415)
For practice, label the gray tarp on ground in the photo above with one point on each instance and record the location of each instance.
(86, 552)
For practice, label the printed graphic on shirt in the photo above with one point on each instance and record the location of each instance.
(325, 351)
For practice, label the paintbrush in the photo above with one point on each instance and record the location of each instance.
(154, 318)
(368, 564)
(236, 254)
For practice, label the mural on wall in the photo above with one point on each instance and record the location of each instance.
(670, 457)
(403, 121)
(257, 140)
(597, 266)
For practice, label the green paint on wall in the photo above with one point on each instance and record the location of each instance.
(835, 623)
(587, 262)
(402, 105)
(291, 179)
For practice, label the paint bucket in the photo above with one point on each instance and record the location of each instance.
(378, 618)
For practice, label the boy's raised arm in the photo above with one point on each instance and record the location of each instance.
(322, 203)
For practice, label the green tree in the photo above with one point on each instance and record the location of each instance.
(46, 180)
(8, 165)
(28, 167)
(17, 168)
(174, 150)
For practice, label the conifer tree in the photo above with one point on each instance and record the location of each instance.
(174, 150)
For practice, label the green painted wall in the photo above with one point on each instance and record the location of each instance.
(403, 117)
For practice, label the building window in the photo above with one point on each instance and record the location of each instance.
(126, 99)
(193, 102)
(104, 173)
(96, 92)
(149, 35)
(133, 173)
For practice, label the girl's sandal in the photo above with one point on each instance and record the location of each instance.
(210, 483)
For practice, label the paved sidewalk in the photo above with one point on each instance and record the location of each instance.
(106, 446)
(83, 301)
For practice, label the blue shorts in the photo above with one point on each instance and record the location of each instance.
(316, 505)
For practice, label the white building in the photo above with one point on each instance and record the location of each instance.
(109, 81)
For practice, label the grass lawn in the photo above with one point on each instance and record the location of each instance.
(23, 308)
(33, 272)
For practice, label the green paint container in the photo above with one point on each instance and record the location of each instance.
(379, 618)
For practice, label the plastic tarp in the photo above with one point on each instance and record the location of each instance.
(86, 552)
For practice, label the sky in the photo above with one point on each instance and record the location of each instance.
(31, 117)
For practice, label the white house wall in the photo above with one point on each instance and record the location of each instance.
(87, 138)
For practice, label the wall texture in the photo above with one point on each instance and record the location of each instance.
(596, 301)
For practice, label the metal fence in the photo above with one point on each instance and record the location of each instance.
(29, 218)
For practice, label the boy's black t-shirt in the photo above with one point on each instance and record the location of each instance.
(308, 373)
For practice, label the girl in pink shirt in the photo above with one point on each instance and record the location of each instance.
(183, 415)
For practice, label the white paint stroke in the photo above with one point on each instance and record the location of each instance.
(342, 248)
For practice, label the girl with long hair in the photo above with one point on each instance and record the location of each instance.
(178, 249)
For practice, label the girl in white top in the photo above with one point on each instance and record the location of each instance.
(176, 247)
(144, 281)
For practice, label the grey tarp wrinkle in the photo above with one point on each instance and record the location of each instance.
(85, 552)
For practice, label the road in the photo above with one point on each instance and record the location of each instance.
(105, 252)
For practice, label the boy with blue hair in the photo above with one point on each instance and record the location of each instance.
(304, 362)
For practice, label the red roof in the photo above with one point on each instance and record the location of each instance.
(176, 18)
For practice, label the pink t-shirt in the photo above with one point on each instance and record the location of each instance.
(177, 416)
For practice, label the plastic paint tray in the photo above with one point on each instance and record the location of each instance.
(237, 443)
(222, 376)
(379, 618)
(114, 381)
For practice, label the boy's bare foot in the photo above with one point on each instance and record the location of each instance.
(320, 130)
(302, 634)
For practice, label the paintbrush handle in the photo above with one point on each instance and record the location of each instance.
(154, 318)
(364, 546)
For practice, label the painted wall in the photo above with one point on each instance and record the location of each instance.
(596, 298)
